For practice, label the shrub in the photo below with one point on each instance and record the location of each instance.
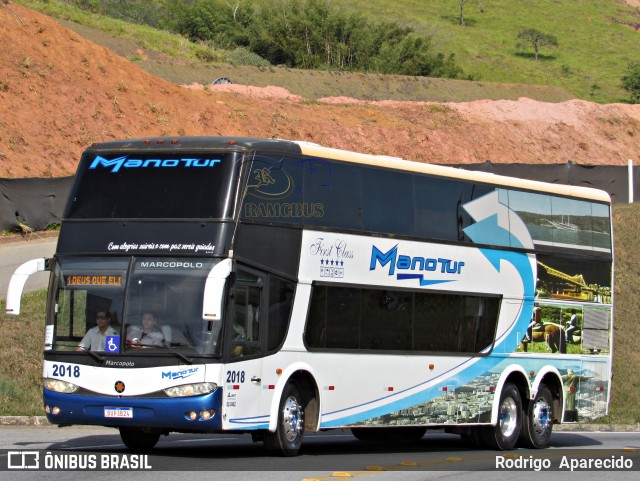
(242, 56)
(631, 81)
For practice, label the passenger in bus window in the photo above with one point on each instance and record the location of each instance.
(96, 337)
(239, 334)
(147, 334)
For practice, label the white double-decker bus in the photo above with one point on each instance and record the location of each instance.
(294, 288)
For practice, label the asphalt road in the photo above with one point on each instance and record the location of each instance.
(15, 253)
(325, 456)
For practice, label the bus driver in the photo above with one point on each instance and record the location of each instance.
(96, 337)
(147, 334)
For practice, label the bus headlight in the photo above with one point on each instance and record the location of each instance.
(196, 389)
(60, 386)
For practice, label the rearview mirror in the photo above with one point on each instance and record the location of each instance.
(214, 291)
(16, 284)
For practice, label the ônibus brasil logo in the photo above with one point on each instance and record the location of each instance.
(126, 163)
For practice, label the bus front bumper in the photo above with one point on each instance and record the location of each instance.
(194, 413)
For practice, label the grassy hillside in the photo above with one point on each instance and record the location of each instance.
(596, 39)
(593, 52)
(626, 381)
(21, 338)
(315, 84)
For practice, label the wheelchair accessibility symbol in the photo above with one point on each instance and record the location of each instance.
(112, 344)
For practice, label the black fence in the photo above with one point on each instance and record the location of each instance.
(38, 203)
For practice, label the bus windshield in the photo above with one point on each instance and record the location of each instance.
(139, 306)
(116, 186)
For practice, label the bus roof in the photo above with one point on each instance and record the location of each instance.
(309, 148)
(316, 150)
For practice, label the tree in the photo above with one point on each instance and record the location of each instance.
(461, 3)
(631, 81)
(537, 39)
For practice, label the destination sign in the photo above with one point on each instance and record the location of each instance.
(93, 280)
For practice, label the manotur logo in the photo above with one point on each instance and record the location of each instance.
(125, 162)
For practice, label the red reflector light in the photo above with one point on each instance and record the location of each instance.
(492, 388)
(159, 142)
(272, 386)
(445, 389)
(332, 388)
(390, 388)
(572, 388)
(174, 142)
(236, 386)
(146, 142)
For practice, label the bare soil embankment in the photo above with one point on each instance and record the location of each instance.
(60, 92)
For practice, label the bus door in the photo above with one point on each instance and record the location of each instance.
(245, 347)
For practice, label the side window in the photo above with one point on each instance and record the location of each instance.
(261, 313)
(387, 320)
(245, 329)
(245, 336)
(561, 223)
(280, 303)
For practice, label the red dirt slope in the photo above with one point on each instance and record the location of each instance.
(60, 92)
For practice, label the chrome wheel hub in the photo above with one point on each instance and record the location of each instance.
(508, 417)
(541, 416)
(292, 419)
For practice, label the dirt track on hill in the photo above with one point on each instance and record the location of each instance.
(60, 93)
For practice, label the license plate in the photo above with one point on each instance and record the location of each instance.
(110, 412)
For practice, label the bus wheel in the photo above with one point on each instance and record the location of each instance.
(137, 439)
(504, 435)
(538, 420)
(287, 439)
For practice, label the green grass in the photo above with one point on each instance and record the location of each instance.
(592, 55)
(595, 45)
(160, 41)
(21, 345)
(21, 338)
(593, 50)
(184, 68)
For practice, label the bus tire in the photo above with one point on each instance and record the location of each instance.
(287, 439)
(505, 434)
(537, 422)
(137, 439)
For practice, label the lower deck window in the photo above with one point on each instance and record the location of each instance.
(388, 320)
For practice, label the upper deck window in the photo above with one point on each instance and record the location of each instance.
(135, 185)
(324, 193)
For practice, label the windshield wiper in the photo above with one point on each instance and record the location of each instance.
(186, 359)
(97, 357)
(136, 344)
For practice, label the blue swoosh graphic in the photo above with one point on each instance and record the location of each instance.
(485, 231)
